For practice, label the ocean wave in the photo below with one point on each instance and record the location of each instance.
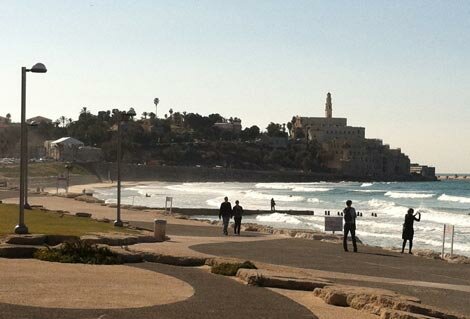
(368, 190)
(279, 218)
(313, 200)
(310, 189)
(457, 199)
(281, 198)
(408, 195)
(367, 184)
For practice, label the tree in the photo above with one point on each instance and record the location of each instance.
(156, 101)
(144, 115)
(275, 130)
(8, 118)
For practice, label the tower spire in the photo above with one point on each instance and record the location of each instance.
(328, 106)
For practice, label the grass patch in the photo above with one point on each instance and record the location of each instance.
(79, 252)
(42, 170)
(53, 223)
(230, 269)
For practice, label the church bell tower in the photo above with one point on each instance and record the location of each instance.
(328, 107)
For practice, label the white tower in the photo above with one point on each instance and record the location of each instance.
(328, 107)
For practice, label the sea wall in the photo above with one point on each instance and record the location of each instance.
(132, 172)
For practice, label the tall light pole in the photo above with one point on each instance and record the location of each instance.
(26, 204)
(37, 68)
(122, 117)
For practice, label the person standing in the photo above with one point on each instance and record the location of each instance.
(237, 212)
(225, 213)
(349, 214)
(273, 205)
(408, 230)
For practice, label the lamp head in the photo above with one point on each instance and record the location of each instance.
(38, 68)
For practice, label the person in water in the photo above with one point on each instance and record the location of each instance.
(237, 212)
(273, 205)
(408, 231)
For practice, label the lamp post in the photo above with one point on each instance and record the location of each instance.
(37, 68)
(122, 117)
(26, 204)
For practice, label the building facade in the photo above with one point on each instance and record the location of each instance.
(345, 149)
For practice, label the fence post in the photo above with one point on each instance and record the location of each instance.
(452, 242)
(443, 241)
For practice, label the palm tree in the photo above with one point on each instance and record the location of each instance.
(63, 119)
(144, 115)
(8, 118)
(156, 101)
(171, 112)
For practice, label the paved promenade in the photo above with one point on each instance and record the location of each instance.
(216, 297)
(435, 282)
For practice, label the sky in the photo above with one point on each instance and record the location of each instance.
(399, 68)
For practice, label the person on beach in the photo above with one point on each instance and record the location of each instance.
(349, 214)
(273, 205)
(408, 230)
(237, 213)
(225, 213)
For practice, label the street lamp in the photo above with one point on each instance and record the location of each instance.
(123, 116)
(26, 204)
(37, 68)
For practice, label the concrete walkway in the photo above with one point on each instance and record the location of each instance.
(436, 282)
(216, 297)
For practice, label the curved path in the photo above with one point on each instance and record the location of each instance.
(216, 297)
(435, 282)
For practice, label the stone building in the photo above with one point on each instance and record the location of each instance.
(72, 150)
(346, 150)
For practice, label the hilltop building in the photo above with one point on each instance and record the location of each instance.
(39, 120)
(346, 150)
(234, 126)
(72, 150)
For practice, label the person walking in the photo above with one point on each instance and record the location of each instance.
(237, 213)
(349, 214)
(225, 213)
(273, 205)
(408, 230)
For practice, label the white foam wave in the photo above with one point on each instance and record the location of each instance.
(408, 195)
(367, 184)
(311, 189)
(279, 218)
(281, 198)
(457, 199)
(313, 200)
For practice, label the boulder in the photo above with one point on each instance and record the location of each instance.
(29, 239)
(381, 302)
(263, 278)
(53, 240)
(83, 214)
(189, 261)
(17, 251)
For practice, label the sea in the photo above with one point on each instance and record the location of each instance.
(383, 206)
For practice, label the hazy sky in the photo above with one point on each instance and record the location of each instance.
(399, 68)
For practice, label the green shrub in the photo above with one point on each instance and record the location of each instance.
(230, 269)
(79, 252)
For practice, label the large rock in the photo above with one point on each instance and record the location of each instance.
(30, 239)
(17, 251)
(380, 302)
(174, 260)
(262, 278)
(117, 239)
(83, 214)
(53, 240)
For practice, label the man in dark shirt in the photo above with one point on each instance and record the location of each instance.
(237, 217)
(349, 225)
(225, 213)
